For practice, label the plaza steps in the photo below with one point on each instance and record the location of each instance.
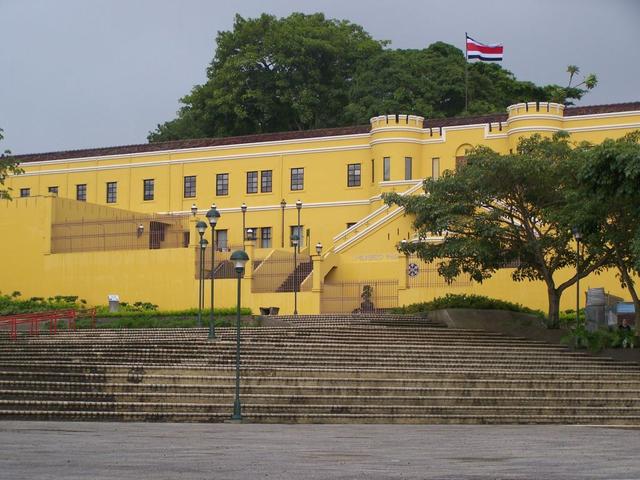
(314, 369)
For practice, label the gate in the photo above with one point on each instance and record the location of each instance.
(356, 297)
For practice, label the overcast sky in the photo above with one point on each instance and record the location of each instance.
(92, 73)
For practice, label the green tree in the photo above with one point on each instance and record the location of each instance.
(503, 209)
(272, 74)
(8, 166)
(305, 71)
(606, 206)
(566, 95)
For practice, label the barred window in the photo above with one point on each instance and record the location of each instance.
(353, 175)
(266, 181)
(252, 182)
(112, 192)
(265, 237)
(81, 192)
(53, 190)
(408, 170)
(386, 169)
(190, 186)
(25, 192)
(148, 189)
(435, 168)
(221, 240)
(297, 178)
(222, 184)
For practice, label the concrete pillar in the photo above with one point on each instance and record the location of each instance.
(318, 279)
(250, 248)
(194, 236)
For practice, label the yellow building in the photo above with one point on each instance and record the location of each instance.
(119, 220)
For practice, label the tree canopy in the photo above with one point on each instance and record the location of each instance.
(606, 206)
(505, 210)
(273, 74)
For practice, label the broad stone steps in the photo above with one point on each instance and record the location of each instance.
(151, 416)
(312, 398)
(180, 375)
(315, 370)
(311, 386)
(389, 365)
(302, 410)
(310, 355)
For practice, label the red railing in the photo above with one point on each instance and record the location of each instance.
(51, 317)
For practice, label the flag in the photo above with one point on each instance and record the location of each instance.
(484, 52)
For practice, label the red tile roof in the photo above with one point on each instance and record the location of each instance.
(270, 137)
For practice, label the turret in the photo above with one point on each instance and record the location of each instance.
(533, 117)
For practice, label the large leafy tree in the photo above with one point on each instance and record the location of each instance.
(606, 206)
(503, 209)
(272, 74)
(8, 166)
(306, 71)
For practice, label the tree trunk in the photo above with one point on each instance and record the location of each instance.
(554, 308)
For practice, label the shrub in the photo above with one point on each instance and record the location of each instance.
(479, 302)
(12, 304)
(581, 338)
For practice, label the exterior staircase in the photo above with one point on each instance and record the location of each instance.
(316, 369)
(295, 279)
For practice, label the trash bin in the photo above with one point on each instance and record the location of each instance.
(264, 310)
(114, 303)
(274, 310)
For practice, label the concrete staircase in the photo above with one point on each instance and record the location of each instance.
(295, 279)
(316, 369)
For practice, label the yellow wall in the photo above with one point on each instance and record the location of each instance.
(166, 276)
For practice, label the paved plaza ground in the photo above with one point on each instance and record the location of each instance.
(73, 450)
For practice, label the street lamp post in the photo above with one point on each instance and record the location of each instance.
(239, 258)
(299, 207)
(213, 216)
(283, 205)
(243, 207)
(577, 234)
(295, 241)
(201, 227)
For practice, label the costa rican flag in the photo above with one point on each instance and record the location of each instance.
(484, 52)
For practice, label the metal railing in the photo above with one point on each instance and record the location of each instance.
(359, 297)
(35, 319)
(421, 274)
(276, 273)
(134, 233)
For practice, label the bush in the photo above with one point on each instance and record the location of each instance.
(12, 304)
(581, 338)
(478, 302)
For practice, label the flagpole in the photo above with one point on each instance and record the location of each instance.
(466, 75)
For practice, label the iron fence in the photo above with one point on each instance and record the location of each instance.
(276, 273)
(421, 274)
(132, 233)
(355, 297)
(223, 266)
